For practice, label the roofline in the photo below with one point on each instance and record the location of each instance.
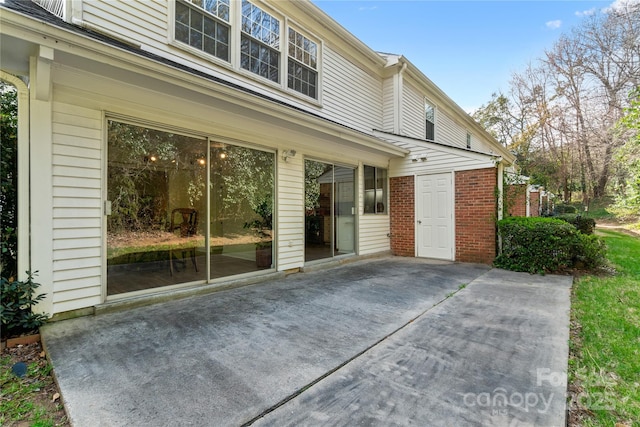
(171, 70)
(443, 147)
(443, 98)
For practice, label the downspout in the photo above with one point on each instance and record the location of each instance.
(528, 202)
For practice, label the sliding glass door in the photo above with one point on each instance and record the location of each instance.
(242, 195)
(184, 209)
(156, 206)
(329, 210)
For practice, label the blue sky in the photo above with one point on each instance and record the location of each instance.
(468, 48)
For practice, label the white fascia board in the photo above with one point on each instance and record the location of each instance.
(35, 31)
(462, 152)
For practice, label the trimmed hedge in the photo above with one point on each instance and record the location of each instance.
(546, 245)
(564, 209)
(584, 225)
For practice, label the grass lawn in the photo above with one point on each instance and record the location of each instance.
(604, 366)
(30, 400)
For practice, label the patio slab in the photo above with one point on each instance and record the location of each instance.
(275, 353)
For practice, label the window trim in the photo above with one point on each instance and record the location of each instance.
(289, 58)
(235, 36)
(469, 136)
(427, 102)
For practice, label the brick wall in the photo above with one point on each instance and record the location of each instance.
(475, 213)
(402, 215)
(534, 203)
(516, 199)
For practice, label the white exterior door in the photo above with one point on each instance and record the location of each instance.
(434, 216)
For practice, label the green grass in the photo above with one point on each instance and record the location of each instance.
(22, 401)
(606, 350)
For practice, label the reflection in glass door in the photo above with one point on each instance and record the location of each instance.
(159, 214)
(329, 210)
(157, 201)
(242, 188)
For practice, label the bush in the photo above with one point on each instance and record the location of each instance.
(544, 245)
(583, 224)
(564, 209)
(16, 308)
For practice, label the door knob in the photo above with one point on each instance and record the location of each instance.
(419, 222)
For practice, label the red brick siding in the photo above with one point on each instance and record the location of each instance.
(534, 203)
(402, 215)
(516, 199)
(475, 213)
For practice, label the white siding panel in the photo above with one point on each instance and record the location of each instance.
(290, 213)
(62, 276)
(413, 119)
(449, 132)
(351, 96)
(77, 213)
(73, 300)
(388, 105)
(89, 242)
(83, 283)
(142, 21)
(437, 161)
(374, 230)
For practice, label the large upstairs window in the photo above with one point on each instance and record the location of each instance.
(203, 25)
(302, 74)
(260, 42)
(250, 39)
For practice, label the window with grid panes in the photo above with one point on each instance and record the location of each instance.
(203, 25)
(302, 74)
(260, 42)
(430, 116)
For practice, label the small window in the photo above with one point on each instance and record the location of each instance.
(430, 116)
(203, 26)
(260, 42)
(468, 141)
(302, 74)
(375, 190)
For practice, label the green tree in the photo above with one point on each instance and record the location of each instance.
(8, 179)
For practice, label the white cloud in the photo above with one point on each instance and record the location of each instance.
(554, 24)
(587, 12)
(621, 5)
(367, 8)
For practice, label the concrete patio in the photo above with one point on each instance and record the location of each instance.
(387, 341)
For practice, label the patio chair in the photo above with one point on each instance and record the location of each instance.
(185, 220)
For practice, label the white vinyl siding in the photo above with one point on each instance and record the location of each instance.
(290, 213)
(77, 210)
(351, 96)
(374, 230)
(388, 105)
(438, 159)
(144, 22)
(413, 124)
(449, 132)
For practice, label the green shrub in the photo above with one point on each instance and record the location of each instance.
(16, 308)
(590, 252)
(544, 245)
(583, 224)
(562, 208)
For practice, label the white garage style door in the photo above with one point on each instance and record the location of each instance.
(434, 216)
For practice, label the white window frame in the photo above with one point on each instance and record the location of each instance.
(427, 103)
(384, 190)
